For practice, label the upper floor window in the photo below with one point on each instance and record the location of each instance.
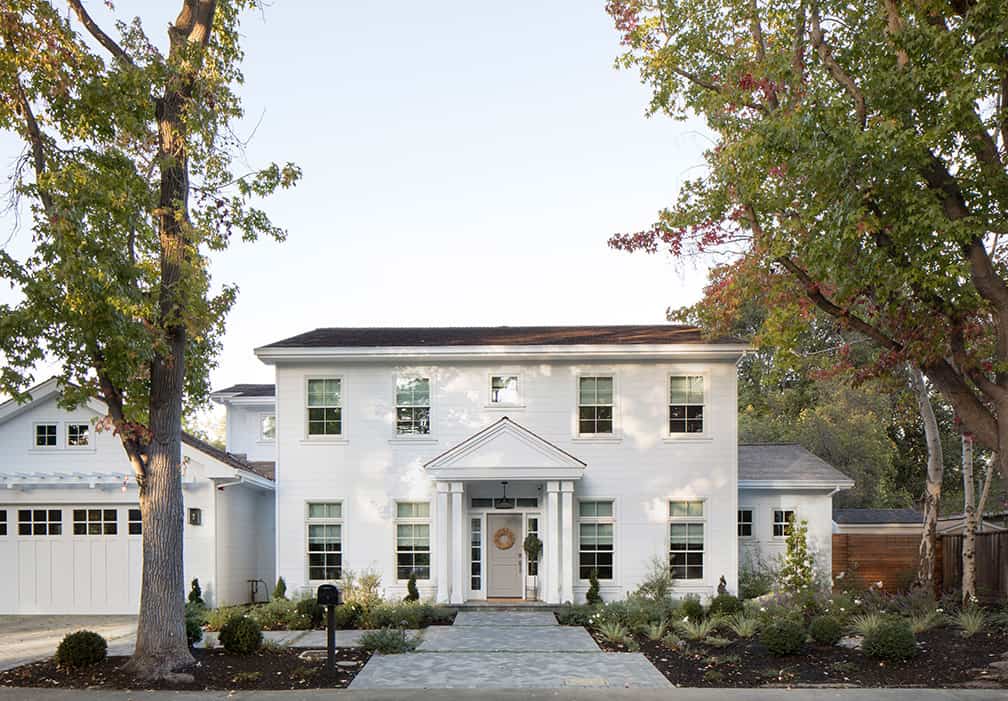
(45, 435)
(745, 523)
(782, 520)
(325, 412)
(267, 427)
(413, 404)
(595, 405)
(78, 435)
(686, 404)
(504, 390)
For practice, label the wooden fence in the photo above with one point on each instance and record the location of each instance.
(991, 565)
(871, 557)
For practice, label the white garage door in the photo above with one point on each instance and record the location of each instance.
(65, 559)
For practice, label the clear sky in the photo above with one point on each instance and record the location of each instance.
(464, 164)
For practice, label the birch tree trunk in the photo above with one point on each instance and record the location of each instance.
(973, 512)
(932, 491)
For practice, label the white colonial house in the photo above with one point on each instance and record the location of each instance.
(437, 451)
(70, 530)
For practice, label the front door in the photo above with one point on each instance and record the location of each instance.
(504, 555)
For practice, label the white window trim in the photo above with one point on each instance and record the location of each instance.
(752, 522)
(519, 404)
(617, 429)
(324, 440)
(704, 435)
(773, 520)
(396, 520)
(413, 437)
(46, 448)
(267, 414)
(578, 519)
(341, 521)
(686, 584)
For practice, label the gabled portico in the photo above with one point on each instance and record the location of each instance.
(503, 452)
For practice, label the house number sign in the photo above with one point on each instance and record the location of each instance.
(504, 538)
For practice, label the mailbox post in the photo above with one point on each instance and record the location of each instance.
(329, 596)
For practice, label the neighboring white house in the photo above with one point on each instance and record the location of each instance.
(70, 531)
(436, 451)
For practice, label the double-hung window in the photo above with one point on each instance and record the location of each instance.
(686, 404)
(325, 541)
(78, 435)
(325, 408)
(413, 405)
(595, 405)
(413, 539)
(595, 539)
(745, 523)
(45, 435)
(686, 539)
(782, 520)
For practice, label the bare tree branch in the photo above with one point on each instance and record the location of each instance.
(834, 68)
(97, 32)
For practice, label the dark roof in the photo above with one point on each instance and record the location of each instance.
(225, 457)
(264, 468)
(249, 390)
(784, 461)
(373, 337)
(876, 516)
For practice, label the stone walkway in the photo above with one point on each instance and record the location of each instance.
(508, 650)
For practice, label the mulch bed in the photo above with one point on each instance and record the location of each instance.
(945, 659)
(215, 669)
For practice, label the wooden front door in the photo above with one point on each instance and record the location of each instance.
(504, 550)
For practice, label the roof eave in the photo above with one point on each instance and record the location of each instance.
(796, 484)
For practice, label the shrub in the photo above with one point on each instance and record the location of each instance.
(697, 630)
(193, 628)
(784, 637)
(593, 597)
(892, 639)
(275, 615)
(571, 615)
(196, 594)
(197, 611)
(399, 615)
(743, 626)
(692, 609)
(797, 571)
(348, 616)
(971, 620)
(241, 635)
(81, 649)
(825, 630)
(756, 578)
(411, 591)
(387, 641)
(280, 590)
(658, 584)
(925, 621)
(655, 631)
(866, 623)
(216, 618)
(724, 605)
(612, 632)
(309, 609)
(363, 589)
(441, 615)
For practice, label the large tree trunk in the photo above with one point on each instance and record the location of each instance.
(932, 492)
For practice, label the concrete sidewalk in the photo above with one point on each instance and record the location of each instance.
(7, 694)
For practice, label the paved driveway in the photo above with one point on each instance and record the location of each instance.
(29, 638)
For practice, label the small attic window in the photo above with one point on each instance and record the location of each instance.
(45, 435)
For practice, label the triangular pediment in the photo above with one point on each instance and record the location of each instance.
(505, 450)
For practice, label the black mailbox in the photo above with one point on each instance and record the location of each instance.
(328, 595)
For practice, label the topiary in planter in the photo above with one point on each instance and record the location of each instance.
(241, 635)
(725, 605)
(81, 649)
(196, 594)
(280, 590)
(592, 596)
(783, 637)
(193, 629)
(825, 630)
(893, 639)
(412, 594)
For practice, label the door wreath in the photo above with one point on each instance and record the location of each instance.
(504, 539)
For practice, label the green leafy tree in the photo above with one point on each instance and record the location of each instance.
(859, 172)
(797, 569)
(128, 172)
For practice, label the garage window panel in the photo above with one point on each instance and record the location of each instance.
(95, 521)
(40, 522)
(135, 525)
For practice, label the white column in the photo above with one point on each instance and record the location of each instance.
(442, 549)
(458, 544)
(567, 542)
(551, 589)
